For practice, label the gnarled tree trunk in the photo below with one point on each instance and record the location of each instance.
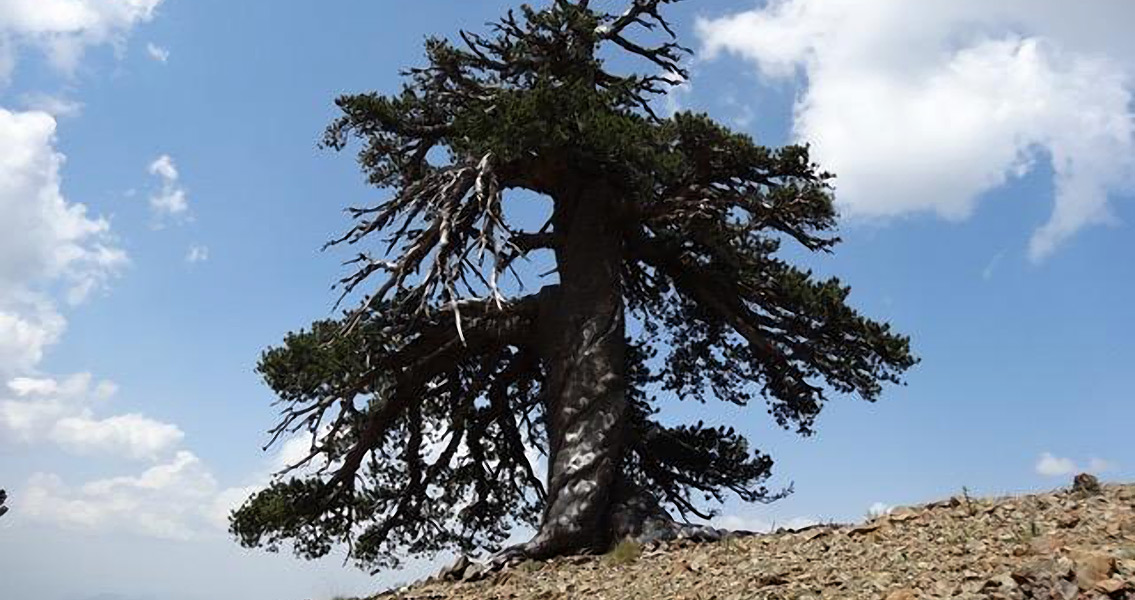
(584, 347)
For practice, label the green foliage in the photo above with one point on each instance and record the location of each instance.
(475, 494)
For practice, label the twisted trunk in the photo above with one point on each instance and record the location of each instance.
(582, 333)
(584, 348)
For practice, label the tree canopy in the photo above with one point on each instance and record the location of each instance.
(431, 403)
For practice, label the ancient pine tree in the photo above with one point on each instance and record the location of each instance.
(430, 405)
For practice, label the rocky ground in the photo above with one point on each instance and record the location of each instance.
(1070, 544)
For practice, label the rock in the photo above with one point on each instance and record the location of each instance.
(456, 571)
(1068, 521)
(1110, 586)
(1004, 581)
(903, 513)
(1068, 590)
(768, 579)
(1126, 567)
(1091, 568)
(902, 595)
(864, 529)
(815, 533)
(1046, 544)
(1086, 484)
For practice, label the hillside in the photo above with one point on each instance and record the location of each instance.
(1061, 545)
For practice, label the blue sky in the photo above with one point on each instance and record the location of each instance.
(985, 160)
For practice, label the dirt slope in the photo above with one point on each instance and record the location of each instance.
(1060, 545)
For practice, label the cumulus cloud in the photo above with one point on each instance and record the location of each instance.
(131, 435)
(157, 52)
(29, 324)
(179, 499)
(49, 247)
(172, 500)
(171, 199)
(62, 412)
(925, 107)
(64, 29)
(1056, 466)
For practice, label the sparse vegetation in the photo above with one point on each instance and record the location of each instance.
(625, 552)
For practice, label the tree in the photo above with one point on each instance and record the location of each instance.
(3, 501)
(424, 403)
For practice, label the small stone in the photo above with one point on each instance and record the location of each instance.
(1068, 590)
(697, 564)
(1068, 521)
(767, 579)
(1110, 586)
(1004, 580)
(902, 595)
(1126, 567)
(1066, 567)
(1091, 568)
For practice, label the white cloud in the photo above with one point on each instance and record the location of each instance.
(29, 324)
(924, 107)
(1052, 466)
(172, 500)
(171, 200)
(55, 106)
(61, 412)
(48, 245)
(291, 452)
(130, 435)
(157, 53)
(1055, 466)
(178, 500)
(879, 509)
(40, 403)
(64, 29)
(760, 525)
(197, 253)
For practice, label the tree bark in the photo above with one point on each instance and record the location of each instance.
(582, 340)
(584, 347)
